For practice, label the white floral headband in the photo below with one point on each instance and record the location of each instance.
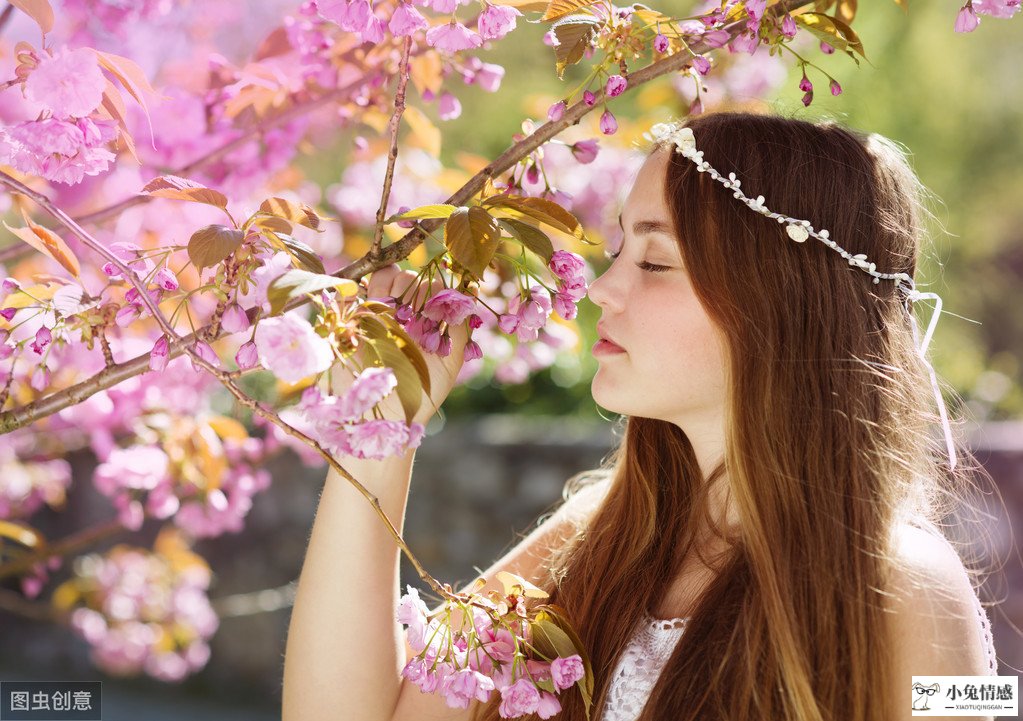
(799, 230)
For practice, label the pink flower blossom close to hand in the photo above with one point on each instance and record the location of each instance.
(496, 21)
(449, 306)
(452, 37)
(382, 438)
(291, 349)
(369, 388)
(69, 84)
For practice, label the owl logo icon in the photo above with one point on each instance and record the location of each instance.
(921, 694)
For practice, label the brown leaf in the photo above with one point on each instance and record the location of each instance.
(171, 186)
(48, 243)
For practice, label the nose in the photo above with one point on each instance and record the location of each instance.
(606, 292)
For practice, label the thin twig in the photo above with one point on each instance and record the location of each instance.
(392, 153)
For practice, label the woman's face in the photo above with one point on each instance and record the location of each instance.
(672, 367)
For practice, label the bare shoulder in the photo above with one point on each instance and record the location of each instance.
(932, 611)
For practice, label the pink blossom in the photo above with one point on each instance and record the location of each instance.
(566, 264)
(836, 89)
(57, 149)
(40, 378)
(449, 306)
(788, 26)
(556, 111)
(565, 671)
(716, 38)
(585, 151)
(520, 698)
(165, 279)
(247, 356)
(701, 64)
(826, 49)
(997, 8)
(549, 705)
(127, 315)
(507, 322)
(466, 685)
(412, 613)
(234, 319)
(374, 30)
(406, 20)
(452, 37)
(661, 43)
(369, 388)
(380, 439)
(69, 84)
(608, 123)
(496, 21)
(615, 86)
(472, 351)
(449, 106)
(42, 339)
(589, 98)
(967, 20)
(565, 306)
(489, 77)
(159, 355)
(135, 468)
(205, 351)
(805, 85)
(807, 98)
(290, 348)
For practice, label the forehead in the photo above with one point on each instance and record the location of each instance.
(646, 198)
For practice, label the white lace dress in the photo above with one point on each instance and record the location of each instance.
(653, 642)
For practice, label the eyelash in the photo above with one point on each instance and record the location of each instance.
(643, 265)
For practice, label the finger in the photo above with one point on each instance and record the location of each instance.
(379, 285)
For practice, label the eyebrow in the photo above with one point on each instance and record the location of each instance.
(644, 227)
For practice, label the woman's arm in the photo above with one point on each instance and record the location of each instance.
(345, 650)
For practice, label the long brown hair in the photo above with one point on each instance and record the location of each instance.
(828, 446)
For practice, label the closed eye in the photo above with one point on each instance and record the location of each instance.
(642, 265)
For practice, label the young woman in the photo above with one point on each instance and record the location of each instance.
(762, 544)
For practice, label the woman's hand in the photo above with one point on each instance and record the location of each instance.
(391, 281)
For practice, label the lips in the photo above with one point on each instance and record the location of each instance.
(605, 336)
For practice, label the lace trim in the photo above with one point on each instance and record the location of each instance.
(653, 642)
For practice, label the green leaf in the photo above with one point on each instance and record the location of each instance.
(560, 8)
(171, 186)
(290, 210)
(530, 236)
(410, 389)
(558, 615)
(472, 236)
(295, 282)
(441, 210)
(407, 346)
(541, 209)
(305, 256)
(827, 29)
(574, 34)
(210, 245)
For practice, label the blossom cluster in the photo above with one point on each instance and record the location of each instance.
(465, 667)
(142, 611)
(336, 421)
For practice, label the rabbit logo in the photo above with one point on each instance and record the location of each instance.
(921, 694)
